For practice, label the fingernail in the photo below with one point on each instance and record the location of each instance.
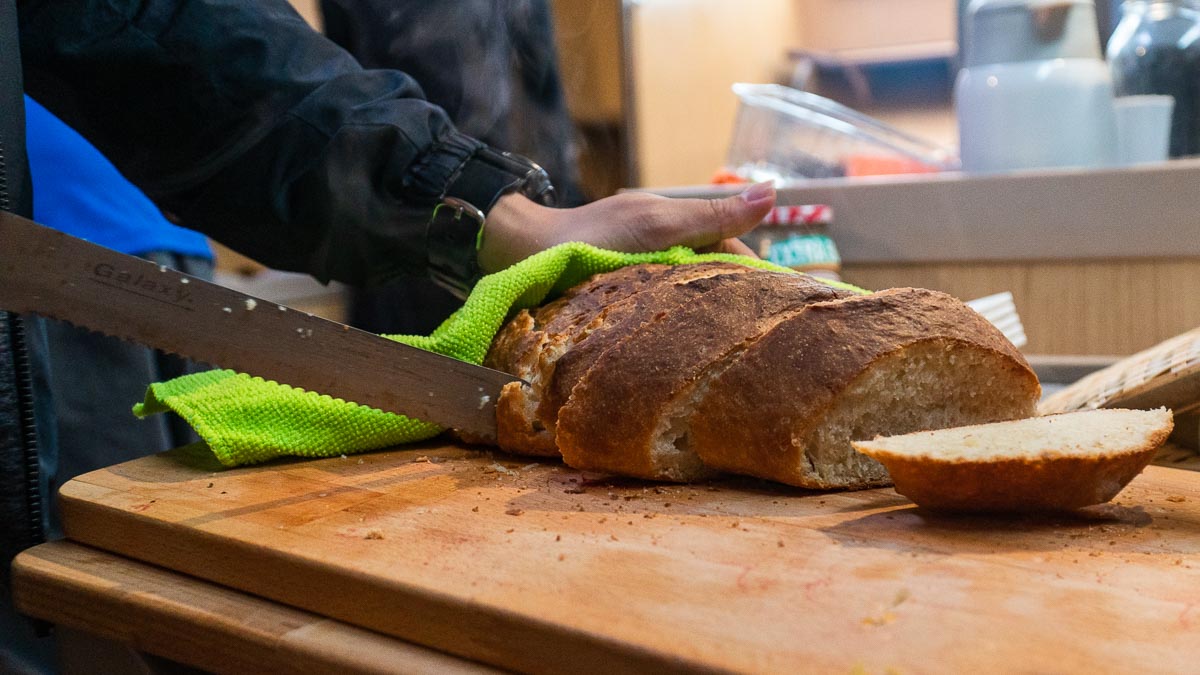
(759, 192)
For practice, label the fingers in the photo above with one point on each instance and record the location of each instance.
(700, 222)
(730, 246)
(516, 227)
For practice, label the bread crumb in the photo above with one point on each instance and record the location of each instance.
(613, 537)
(780, 543)
(734, 524)
(374, 534)
(558, 537)
(510, 530)
(574, 490)
(561, 557)
(882, 620)
(475, 509)
(513, 512)
(1176, 499)
(648, 515)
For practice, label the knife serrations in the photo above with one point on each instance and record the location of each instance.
(46, 272)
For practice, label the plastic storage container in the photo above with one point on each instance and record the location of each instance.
(783, 133)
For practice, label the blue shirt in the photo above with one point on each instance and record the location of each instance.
(78, 191)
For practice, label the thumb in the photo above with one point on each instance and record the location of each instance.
(713, 220)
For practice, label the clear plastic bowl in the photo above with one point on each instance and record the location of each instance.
(782, 133)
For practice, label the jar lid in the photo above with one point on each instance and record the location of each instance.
(806, 214)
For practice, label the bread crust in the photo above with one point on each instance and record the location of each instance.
(614, 411)
(616, 323)
(752, 423)
(520, 344)
(1051, 484)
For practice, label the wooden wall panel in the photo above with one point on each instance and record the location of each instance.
(1107, 307)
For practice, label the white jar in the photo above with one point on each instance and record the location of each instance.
(1034, 91)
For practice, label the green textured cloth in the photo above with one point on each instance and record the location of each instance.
(246, 419)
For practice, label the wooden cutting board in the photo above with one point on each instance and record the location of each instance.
(541, 568)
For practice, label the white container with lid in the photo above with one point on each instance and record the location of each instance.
(1034, 91)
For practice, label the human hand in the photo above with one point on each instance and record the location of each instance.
(631, 222)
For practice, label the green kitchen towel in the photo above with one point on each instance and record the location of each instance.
(246, 419)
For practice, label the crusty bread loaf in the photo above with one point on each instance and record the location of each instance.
(1056, 462)
(518, 349)
(692, 369)
(531, 345)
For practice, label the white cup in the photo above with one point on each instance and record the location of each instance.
(1143, 128)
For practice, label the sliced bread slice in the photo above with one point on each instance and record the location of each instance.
(1057, 462)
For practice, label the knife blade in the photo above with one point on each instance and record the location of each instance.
(52, 274)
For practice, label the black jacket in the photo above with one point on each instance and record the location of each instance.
(251, 127)
(245, 123)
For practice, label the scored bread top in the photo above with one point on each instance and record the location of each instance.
(530, 343)
(627, 397)
(572, 353)
(520, 338)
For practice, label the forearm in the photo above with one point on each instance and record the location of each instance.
(251, 127)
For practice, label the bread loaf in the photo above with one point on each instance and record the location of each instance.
(1050, 463)
(531, 344)
(674, 373)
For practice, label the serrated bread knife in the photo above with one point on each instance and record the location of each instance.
(46, 272)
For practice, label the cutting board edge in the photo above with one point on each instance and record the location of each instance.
(550, 648)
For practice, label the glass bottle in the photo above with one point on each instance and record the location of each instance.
(1155, 49)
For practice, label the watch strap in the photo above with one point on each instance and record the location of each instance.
(454, 236)
(456, 229)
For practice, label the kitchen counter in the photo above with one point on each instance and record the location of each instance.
(533, 566)
(1102, 262)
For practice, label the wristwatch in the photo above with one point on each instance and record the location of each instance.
(456, 229)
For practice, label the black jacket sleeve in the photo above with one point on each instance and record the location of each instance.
(251, 127)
